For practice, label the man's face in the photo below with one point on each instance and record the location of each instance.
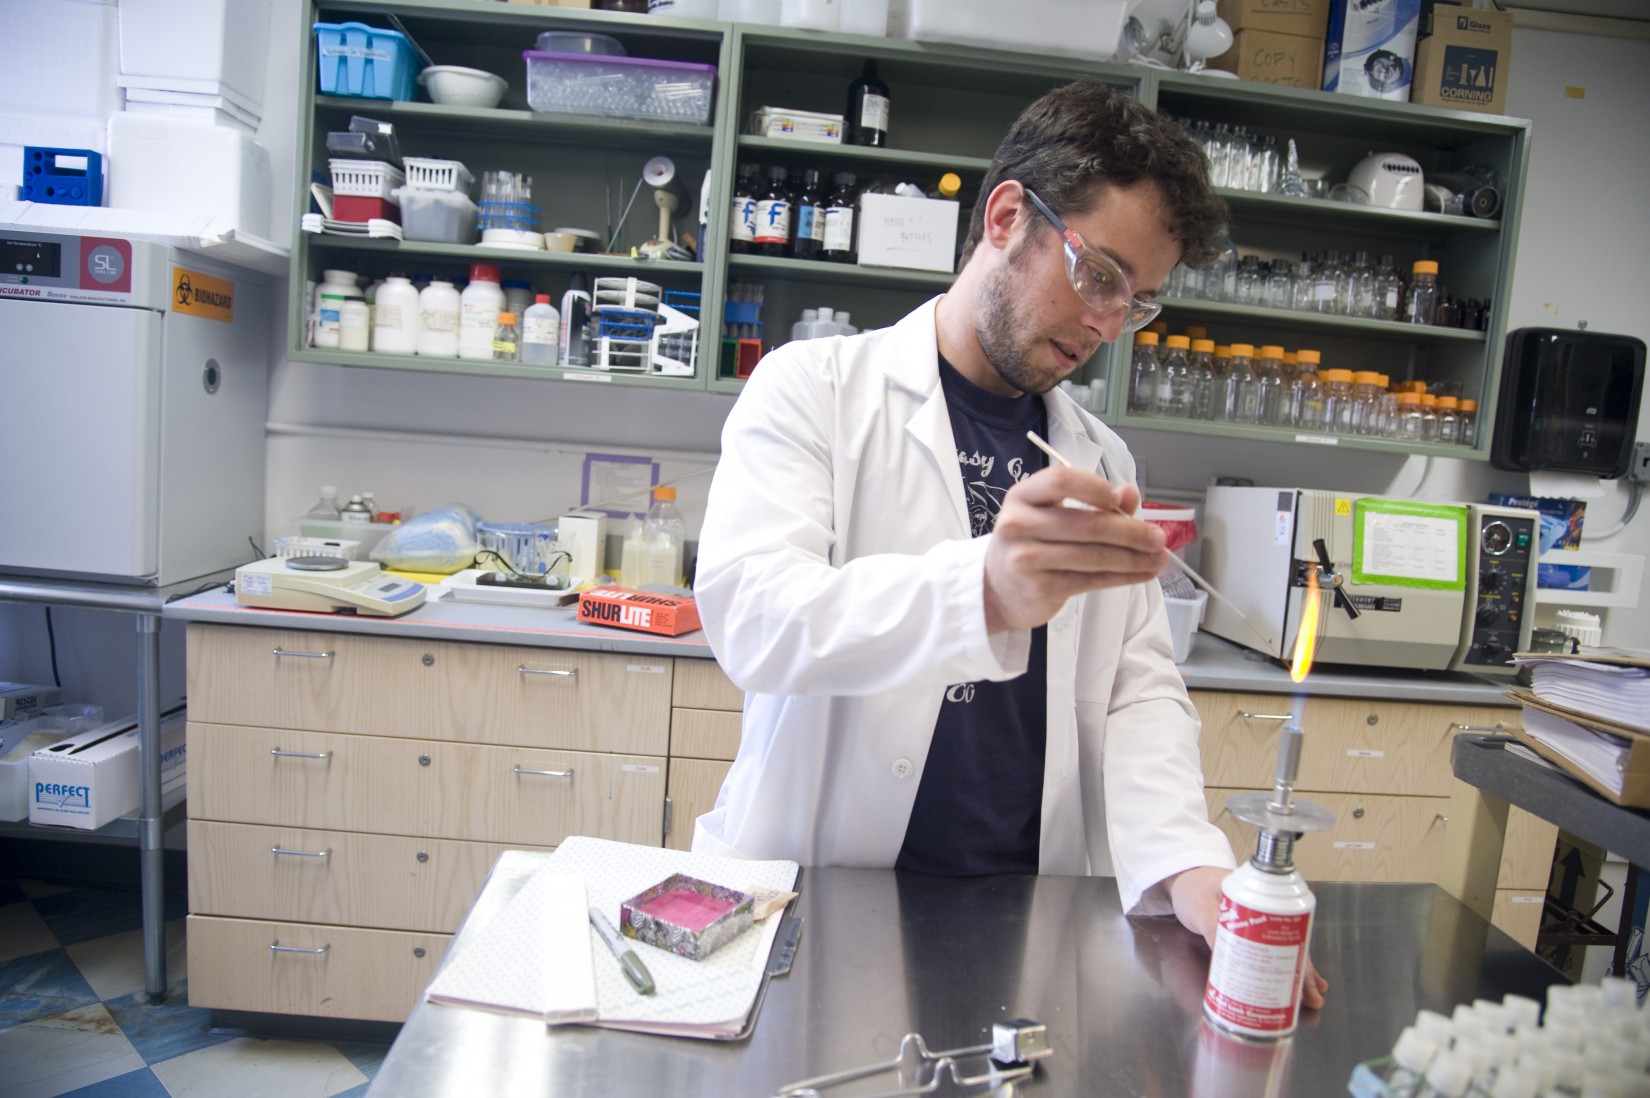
(1032, 326)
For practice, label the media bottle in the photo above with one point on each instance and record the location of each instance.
(1421, 303)
(479, 306)
(1145, 374)
(438, 307)
(867, 113)
(540, 330)
(653, 548)
(1239, 399)
(507, 339)
(327, 508)
(1174, 381)
(395, 317)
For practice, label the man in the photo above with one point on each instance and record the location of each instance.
(949, 666)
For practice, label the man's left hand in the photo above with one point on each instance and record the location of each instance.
(1195, 894)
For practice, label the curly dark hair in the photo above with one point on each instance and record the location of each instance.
(1087, 135)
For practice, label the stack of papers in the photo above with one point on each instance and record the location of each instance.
(540, 956)
(1590, 714)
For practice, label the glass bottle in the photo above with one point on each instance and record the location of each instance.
(1306, 405)
(1238, 396)
(867, 113)
(1250, 288)
(1144, 374)
(772, 235)
(1387, 401)
(1271, 407)
(1221, 268)
(1421, 303)
(1360, 287)
(839, 219)
(1291, 365)
(1223, 366)
(1365, 409)
(1429, 417)
(1280, 284)
(1266, 170)
(742, 217)
(1449, 420)
(1174, 383)
(947, 188)
(327, 508)
(1389, 290)
(1328, 280)
(1409, 417)
(1201, 368)
(1337, 405)
(507, 339)
(653, 547)
(1300, 289)
(808, 220)
(1469, 423)
(1220, 151)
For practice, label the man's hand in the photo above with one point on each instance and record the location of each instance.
(1196, 898)
(1044, 551)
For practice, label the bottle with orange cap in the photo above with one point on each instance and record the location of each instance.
(1201, 367)
(1337, 400)
(1365, 406)
(1306, 398)
(1409, 417)
(1144, 374)
(1271, 406)
(1174, 383)
(1386, 404)
(1238, 395)
(1421, 303)
(1449, 420)
(1429, 417)
(1469, 422)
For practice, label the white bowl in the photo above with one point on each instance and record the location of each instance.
(559, 242)
(457, 86)
(520, 239)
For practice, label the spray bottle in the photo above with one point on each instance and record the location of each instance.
(1266, 910)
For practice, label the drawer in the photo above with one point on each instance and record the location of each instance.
(419, 689)
(331, 782)
(1352, 745)
(1526, 852)
(309, 876)
(1518, 913)
(704, 733)
(1375, 838)
(702, 684)
(377, 975)
(694, 785)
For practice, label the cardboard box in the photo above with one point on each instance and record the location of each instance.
(1268, 57)
(584, 535)
(20, 699)
(1561, 519)
(643, 611)
(917, 234)
(1302, 18)
(89, 779)
(1465, 61)
(1369, 48)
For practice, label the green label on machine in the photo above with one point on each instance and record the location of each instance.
(1402, 543)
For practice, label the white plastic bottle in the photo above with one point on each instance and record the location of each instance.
(653, 546)
(540, 331)
(354, 325)
(395, 317)
(438, 308)
(336, 287)
(479, 306)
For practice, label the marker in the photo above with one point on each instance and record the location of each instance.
(634, 970)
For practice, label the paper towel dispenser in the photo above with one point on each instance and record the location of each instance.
(1569, 402)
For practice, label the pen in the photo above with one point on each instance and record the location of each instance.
(634, 970)
(1037, 440)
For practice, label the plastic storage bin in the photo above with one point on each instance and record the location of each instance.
(619, 87)
(365, 178)
(355, 59)
(439, 217)
(438, 175)
(1090, 29)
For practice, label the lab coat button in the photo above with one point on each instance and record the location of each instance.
(903, 768)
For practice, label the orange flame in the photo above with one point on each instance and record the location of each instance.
(1306, 637)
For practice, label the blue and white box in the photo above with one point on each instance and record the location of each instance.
(89, 779)
(1370, 48)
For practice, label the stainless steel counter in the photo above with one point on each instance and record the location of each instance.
(1215, 664)
(885, 953)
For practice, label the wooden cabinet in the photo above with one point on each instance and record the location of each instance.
(704, 737)
(1383, 769)
(349, 794)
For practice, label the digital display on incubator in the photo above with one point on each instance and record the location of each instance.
(31, 258)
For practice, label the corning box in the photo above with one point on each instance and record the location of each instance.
(1268, 57)
(87, 780)
(915, 233)
(1370, 48)
(1464, 60)
(1302, 18)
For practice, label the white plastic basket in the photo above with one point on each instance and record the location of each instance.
(286, 548)
(365, 178)
(437, 175)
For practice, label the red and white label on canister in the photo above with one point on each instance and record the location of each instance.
(1255, 974)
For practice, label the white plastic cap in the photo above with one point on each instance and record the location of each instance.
(1449, 1075)
(1493, 1015)
(1521, 1010)
(1434, 1025)
(1601, 1084)
(1634, 1084)
(1414, 1050)
(826, 312)
(1619, 993)
(1510, 1083)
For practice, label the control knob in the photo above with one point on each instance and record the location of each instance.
(1490, 580)
(1488, 614)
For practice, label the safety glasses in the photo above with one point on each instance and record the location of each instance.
(1096, 277)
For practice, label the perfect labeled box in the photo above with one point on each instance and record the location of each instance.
(1369, 49)
(917, 234)
(21, 699)
(1302, 18)
(1465, 61)
(1268, 57)
(90, 779)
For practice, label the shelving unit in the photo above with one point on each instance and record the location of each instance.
(952, 105)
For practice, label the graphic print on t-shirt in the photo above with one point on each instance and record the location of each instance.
(985, 498)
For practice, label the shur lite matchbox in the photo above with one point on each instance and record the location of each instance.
(643, 611)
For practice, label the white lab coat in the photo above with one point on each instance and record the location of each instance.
(839, 587)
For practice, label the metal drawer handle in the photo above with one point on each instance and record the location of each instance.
(302, 853)
(304, 655)
(278, 753)
(1265, 716)
(277, 947)
(573, 674)
(1478, 727)
(543, 773)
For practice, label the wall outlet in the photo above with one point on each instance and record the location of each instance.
(1640, 469)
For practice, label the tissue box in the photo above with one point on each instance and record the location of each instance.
(21, 699)
(687, 916)
(1463, 59)
(914, 233)
(644, 611)
(89, 779)
(1370, 48)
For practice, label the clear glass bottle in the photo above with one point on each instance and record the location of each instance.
(1307, 395)
(327, 508)
(1266, 172)
(1469, 423)
(1387, 401)
(1300, 289)
(1360, 287)
(506, 339)
(1220, 269)
(1449, 420)
(1145, 372)
(1238, 399)
(1389, 290)
(1250, 286)
(1365, 409)
(1429, 417)
(1409, 417)
(653, 547)
(1328, 284)
(1174, 383)
(1337, 385)
(1271, 402)
(1421, 303)
(1220, 156)
(1280, 285)
(1201, 367)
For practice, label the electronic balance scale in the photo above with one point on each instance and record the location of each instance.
(327, 585)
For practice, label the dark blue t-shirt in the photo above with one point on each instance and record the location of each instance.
(979, 807)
